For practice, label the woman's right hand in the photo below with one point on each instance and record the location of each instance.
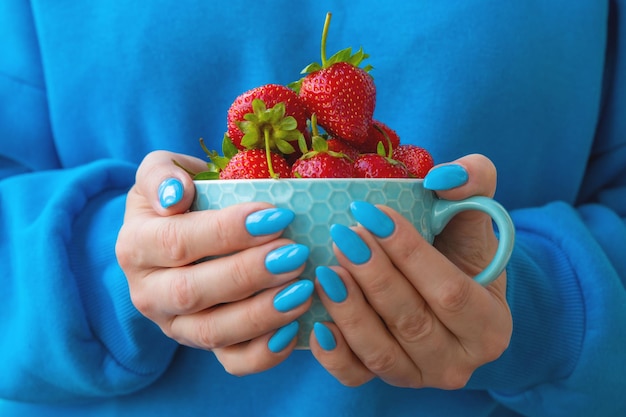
(228, 304)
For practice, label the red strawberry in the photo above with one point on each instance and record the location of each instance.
(380, 132)
(372, 165)
(252, 164)
(273, 112)
(320, 161)
(417, 160)
(322, 165)
(340, 146)
(342, 95)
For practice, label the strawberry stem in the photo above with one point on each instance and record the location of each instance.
(268, 153)
(314, 129)
(324, 36)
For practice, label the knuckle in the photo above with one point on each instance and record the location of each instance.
(454, 379)
(353, 381)
(171, 243)
(207, 336)
(124, 251)
(379, 286)
(494, 348)
(183, 294)
(222, 231)
(255, 323)
(381, 362)
(142, 303)
(454, 295)
(415, 326)
(242, 277)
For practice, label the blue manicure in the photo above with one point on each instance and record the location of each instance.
(283, 336)
(350, 244)
(331, 283)
(286, 258)
(372, 218)
(324, 336)
(170, 192)
(293, 296)
(445, 177)
(268, 221)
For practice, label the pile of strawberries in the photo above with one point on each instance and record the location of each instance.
(321, 126)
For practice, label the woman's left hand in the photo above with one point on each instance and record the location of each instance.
(410, 313)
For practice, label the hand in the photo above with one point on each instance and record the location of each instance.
(412, 315)
(225, 304)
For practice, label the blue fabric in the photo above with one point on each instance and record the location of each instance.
(88, 88)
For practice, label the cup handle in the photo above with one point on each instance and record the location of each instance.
(444, 210)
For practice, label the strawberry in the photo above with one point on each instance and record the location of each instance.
(380, 132)
(340, 146)
(339, 92)
(373, 165)
(253, 164)
(267, 116)
(417, 160)
(321, 162)
(322, 165)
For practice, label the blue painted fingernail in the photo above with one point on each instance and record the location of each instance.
(170, 192)
(350, 244)
(283, 336)
(268, 221)
(445, 177)
(331, 283)
(286, 258)
(324, 336)
(372, 218)
(293, 296)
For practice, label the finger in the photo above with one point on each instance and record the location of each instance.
(467, 176)
(332, 351)
(368, 336)
(164, 185)
(408, 317)
(467, 309)
(193, 288)
(251, 357)
(233, 323)
(185, 238)
(468, 240)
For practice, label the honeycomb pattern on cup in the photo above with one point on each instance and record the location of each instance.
(318, 203)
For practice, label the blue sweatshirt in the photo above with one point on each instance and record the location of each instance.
(87, 89)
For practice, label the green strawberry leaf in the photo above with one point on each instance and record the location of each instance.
(288, 123)
(284, 147)
(228, 147)
(319, 144)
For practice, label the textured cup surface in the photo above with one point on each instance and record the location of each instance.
(318, 203)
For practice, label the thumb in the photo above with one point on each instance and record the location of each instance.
(468, 239)
(166, 187)
(471, 175)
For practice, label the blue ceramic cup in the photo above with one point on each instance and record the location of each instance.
(319, 203)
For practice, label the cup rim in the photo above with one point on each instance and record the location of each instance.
(265, 180)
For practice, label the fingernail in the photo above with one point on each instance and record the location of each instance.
(445, 177)
(283, 336)
(331, 283)
(170, 192)
(350, 244)
(372, 218)
(268, 221)
(324, 336)
(293, 296)
(286, 258)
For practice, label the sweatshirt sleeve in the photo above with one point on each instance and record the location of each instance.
(566, 292)
(69, 330)
(72, 331)
(567, 279)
